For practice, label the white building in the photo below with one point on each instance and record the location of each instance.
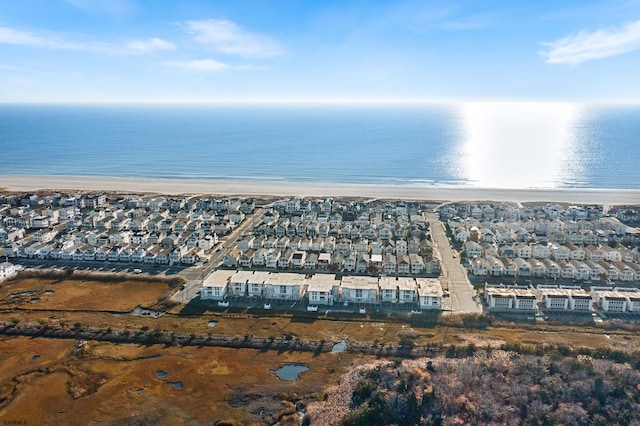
(499, 298)
(525, 300)
(238, 283)
(580, 300)
(429, 293)
(388, 289)
(359, 289)
(285, 286)
(256, 283)
(215, 286)
(406, 290)
(7, 270)
(323, 289)
(555, 299)
(610, 300)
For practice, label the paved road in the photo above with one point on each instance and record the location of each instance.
(454, 276)
(196, 275)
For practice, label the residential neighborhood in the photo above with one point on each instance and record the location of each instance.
(549, 257)
(544, 242)
(97, 227)
(351, 237)
(341, 252)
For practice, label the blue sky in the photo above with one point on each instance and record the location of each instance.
(288, 50)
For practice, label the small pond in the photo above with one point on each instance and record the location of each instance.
(339, 347)
(290, 371)
(161, 373)
(35, 357)
(212, 323)
(177, 385)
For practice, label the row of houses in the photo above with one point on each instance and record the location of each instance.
(504, 211)
(354, 237)
(155, 203)
(322, 289)
(552, 251)
(94, 227)
(344, 245)
(132, 253)
(586, 270)
(389, 264)
(563, 298)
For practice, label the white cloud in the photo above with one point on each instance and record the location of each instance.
(587, 46)
(51, 40)
(227, 37)
(23, 38)
(149, 45)
(200, 65)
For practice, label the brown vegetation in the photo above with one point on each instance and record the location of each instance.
(493, 388)
(112, 383)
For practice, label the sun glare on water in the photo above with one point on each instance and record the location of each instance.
(518, 144)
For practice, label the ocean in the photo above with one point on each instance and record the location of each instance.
(484, 144)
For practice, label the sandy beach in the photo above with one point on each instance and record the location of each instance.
(266, 188)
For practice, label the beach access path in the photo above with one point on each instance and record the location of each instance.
(454, 278)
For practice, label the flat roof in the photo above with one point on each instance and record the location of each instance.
(218, 278)
(359, 282)
(259, 277)
(555, 292)
(388, 283)
(406, 283)
(429, 287)
(612, 295)
(322, 282)
(286, 278)
(241, 276)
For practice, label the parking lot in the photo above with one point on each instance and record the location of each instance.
(114, 267)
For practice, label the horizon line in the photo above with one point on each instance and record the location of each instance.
(320, 101)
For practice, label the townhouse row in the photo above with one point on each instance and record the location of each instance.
(546, 268)
(166, 252)
(322, 289)
(552, 251)
(563, 298)
(412, 264)
(511, 211)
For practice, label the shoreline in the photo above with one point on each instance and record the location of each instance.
(20, 183)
